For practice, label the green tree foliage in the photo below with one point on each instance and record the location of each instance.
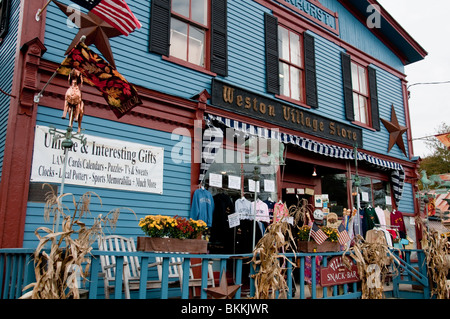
(439, 160)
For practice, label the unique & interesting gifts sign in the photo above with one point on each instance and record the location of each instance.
(102, 162)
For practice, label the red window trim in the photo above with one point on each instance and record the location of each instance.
(290, 100)
(188, 65)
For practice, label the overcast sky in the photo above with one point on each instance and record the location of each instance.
(427, 22)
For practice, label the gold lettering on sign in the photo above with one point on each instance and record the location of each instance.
(293, 115)
(228, 94)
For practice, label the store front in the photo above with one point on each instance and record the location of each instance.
(302, 156)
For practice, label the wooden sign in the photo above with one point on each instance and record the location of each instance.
(336, 273)
(276, 112)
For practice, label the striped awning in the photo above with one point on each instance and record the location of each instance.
(213, 137)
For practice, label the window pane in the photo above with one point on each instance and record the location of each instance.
(178, 39)
(181, 7)
(363, 109)
(362, 80)
(295, 49)
(355, 80)
(196, 40)
(366, 191)
(199, 11)
(295, 83)
(283, 43)
(284, 79)
(356, 107)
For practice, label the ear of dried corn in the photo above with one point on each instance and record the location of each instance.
(69, 248)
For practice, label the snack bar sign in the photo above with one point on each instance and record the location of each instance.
(102, 163)
(336, 273)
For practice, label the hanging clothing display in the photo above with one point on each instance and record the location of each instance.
(270, 206)
(397, 220)
(262, 211)
(387, 217)
(380, 215)
(361, 227)
(244, 207)
(202, 206)
(221, 234)
(371, 218)
(376, 236)
(280, 211)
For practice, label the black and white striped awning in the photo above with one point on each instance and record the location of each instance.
(213, 138)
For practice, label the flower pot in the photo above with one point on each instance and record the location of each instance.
(312, 246)
(193, 246)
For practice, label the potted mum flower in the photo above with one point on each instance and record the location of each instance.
(172, 234)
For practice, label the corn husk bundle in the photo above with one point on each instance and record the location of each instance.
(436, 251)
(374, 262)
(56, 270)
(270, 263)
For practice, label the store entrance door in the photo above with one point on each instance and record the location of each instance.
(294, 198)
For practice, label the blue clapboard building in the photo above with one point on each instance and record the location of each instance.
(325, 78)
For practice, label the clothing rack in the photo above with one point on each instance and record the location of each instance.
(387, 226)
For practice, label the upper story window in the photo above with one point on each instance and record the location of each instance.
(290, 50)
(360, 93)
(189, 31)
(192, 33)
(290, 62)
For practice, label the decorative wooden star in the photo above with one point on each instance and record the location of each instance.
(395, 131)
(223, 291)
(96, 30)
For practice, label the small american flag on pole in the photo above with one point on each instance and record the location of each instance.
(343, 235)
(317, 234)
(115, 12)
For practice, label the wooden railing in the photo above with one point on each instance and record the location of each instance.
(16, 271)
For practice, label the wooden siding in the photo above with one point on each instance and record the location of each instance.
(330, 85)
(389, 93)
(406, 204)
(175, 199)
(7, 59)
(246, 45)
(352, 31)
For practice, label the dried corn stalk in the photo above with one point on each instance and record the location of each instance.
(436, 252)
(300, 211)
(270, 263)
(56, 270)
(374, 262)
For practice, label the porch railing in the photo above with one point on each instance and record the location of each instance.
(17, 271)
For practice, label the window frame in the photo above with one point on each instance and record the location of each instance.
(302, 68)
(207, 39)
(4, 19)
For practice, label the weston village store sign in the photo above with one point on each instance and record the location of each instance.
(252, 105)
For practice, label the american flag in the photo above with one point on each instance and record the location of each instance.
(115, 12)
(317, 234)
(343, 235)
